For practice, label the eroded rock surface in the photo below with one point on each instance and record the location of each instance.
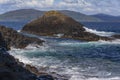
(17, 40)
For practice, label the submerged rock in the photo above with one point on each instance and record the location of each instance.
(17, 40)
(53, 23)
(116, 36)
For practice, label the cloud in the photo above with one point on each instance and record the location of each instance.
(27, 3)
(84, 6)
(7, 5)
(39, 3)
(3, 1)
(92, 6)
(70, 1)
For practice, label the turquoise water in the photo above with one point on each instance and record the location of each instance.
(74, 59)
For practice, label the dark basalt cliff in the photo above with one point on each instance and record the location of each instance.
(9, 67)
(17, 40)
(3, 44)
(53, 23)
(12, 69)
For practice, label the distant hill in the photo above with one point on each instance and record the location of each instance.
(108, 18)
(79, 16)
(21, 15)
(30, 14)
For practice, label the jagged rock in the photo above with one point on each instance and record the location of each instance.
(3, 45)
(116, 36)
(9, 68)
(12, 69)
(32, 69)
(17, 40)
(53, 23)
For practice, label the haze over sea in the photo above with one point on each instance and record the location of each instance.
(78, 60)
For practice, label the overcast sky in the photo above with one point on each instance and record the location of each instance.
(85, 6)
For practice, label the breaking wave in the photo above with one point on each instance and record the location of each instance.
(73, 59)
(100, 33)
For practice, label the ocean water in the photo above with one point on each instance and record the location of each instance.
(74, 59)
(15, 25)
(104, 26)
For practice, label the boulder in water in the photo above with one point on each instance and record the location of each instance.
(116, 36)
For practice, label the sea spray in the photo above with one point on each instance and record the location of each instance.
(100, 33)
(74, 59)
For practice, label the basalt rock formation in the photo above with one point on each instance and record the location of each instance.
(9, 67)
(17, 40)
(54, 23)
(12, 69)
(3, 44)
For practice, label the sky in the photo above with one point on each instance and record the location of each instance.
(111, 7)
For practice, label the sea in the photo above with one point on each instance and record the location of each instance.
(75, 59)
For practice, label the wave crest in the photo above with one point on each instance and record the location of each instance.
(100, 33)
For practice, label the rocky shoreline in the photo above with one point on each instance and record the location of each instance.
(17, 40)
(52, 23)
(11, 68)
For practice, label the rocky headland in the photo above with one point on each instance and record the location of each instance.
(9, 66)
(17, 40)
(12, 69)
(54, 23)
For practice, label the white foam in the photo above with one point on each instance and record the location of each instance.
(59, 35)
(18, 30)
(116, 41)
(53, 64)
(100, 33)
(114, 78)
(100, 42)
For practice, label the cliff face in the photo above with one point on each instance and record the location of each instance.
(12, 69)
(3, 43)
(53, 23)
(9, 67)
(17, 40)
